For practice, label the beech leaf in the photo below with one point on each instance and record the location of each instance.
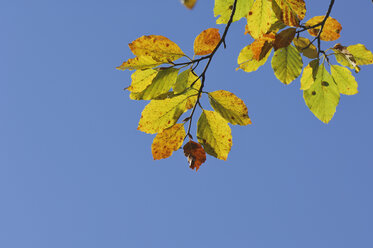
(342, 76)
(214, 133)
(262, 46)
(195, 154)
(141, 79)
(161, 114)
(290, 12)
(206, 41)
(139, 63)
(284, 38)
(309, 74)
(331, 30)
(160, 48)
(287, 64)
(168, 141)
(230, 107)
(259, 18)
(160, 84)
(223, 9)
(323, 96)
(303, 45)
(361, 54)
(247, 62)
(189, 3)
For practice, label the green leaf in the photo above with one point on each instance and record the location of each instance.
(343, 78)
(322, 97)
(287, 64)
(161, 84)
(223, 8)
(161, 114)
(230, 107)
(214, 133)
(247, 62)
(309, 74)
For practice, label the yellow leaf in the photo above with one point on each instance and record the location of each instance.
(168, 141)
(287, 64)
(290, 12)
(230, 107)
(189, 3)
(160, 48)
(223, 8)
(259, 18)
(303, 45)
(343, 78)
(247, 62)
(344, 57)
(262, 46)
(361, 54)
(161, 114)
(323, 96)
(141, 79)
(214, 133)
(139, 63)
(160, 85)
(309, 74)
(331, 30)
(195, 154)
(206, 41)
(284, 38)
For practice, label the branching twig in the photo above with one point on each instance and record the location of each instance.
(202, 76)
(322, 24)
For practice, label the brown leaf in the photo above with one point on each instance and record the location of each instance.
(195, 154)
(284, 38)
(303, 45)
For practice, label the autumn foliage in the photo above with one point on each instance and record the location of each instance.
(175, 88)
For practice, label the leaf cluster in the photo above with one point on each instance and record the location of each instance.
(174, 88)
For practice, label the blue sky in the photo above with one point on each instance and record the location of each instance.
(75, 172)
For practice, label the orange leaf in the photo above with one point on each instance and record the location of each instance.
(284, 38)
(168, 141)
(195, 153)
(189, 3)
(262, 46)
(331, 30)
(206, 41)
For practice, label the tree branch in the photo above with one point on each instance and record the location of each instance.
(322, 24)
(202, 76)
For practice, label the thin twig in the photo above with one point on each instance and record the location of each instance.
(322, 24)
(202, 76)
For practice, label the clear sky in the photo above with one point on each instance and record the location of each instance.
(75, 172)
